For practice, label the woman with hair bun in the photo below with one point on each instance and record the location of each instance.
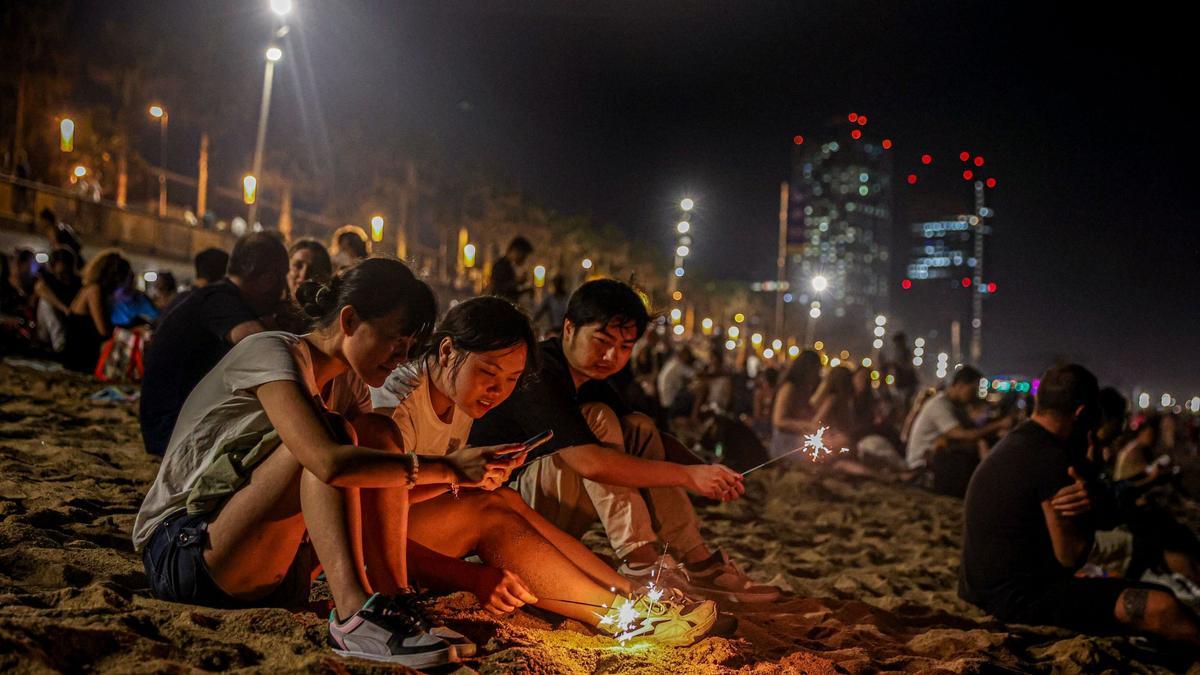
(276, 447)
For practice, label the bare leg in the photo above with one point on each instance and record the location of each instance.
(1158, 612)
(483, 523)
(569, 546)
(255, 536)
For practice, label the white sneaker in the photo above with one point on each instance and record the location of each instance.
(384, 631)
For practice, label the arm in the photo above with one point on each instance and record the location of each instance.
(613, 467)
(499, 591)
(95, 308)
(43, 291)
(343, 465)
(244, 330)
(964, 435)
(1071, 542)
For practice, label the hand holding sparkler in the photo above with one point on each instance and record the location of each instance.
(500, 591)
(715, 481)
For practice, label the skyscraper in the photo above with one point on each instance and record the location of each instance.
(839, 228)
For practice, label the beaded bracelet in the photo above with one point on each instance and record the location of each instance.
(412, 474)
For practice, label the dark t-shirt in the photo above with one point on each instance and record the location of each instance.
(504, 281)
(190, 339)
(1006, 544)
(546, 399)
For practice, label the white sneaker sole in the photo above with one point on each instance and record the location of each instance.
(417, 660)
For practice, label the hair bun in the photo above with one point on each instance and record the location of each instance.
(317, 299)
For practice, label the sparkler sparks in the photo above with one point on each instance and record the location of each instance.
(814, 446)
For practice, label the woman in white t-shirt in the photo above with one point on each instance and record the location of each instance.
(277, 442)
(476, 357)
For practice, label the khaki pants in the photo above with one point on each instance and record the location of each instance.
(632, 517)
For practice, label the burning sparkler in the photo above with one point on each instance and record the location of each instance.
(814, 446)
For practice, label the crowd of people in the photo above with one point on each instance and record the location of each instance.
(316, 412)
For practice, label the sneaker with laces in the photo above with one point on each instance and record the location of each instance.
(417, 603)
(666, 572)
(387, 631)
(660, 621)
(722, 579)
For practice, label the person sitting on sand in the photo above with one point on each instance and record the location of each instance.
(474, 361)
(278, 442)
(200, 329)
(609, 453)
(944, 442)
(792, 411)
(1028, 527)
(89, 318)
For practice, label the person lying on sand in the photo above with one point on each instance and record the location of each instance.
(476, 357)
(276, 443)
(613, 462)
(1028, 527)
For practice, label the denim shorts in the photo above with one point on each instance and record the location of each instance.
(174, 562)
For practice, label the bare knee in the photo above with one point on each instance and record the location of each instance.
(604, 423)
(374, 430)
(512, 498)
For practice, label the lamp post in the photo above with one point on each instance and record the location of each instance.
(160, 113)
(273, 55)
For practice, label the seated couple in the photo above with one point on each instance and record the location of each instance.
(277, 456)
(1031, 513)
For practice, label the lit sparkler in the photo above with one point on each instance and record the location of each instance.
(814, 446)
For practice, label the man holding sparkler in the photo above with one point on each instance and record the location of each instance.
(607, 462)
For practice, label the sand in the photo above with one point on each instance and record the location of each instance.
(869, 567)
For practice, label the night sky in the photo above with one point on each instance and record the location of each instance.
(620, 109)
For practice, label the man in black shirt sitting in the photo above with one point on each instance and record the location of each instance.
(197, 331)
(614, 464)
(1028, 527)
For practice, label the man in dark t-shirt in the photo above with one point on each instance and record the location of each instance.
(609, 463)
(201, 328)
(1028, 527)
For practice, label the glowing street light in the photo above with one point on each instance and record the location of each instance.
(159, 113)
(815, 312)
(678, 329)
(676, 314)
(820, 283)
(587, 263)
(679, 271)
(683, 227)
(249, 189)
(66, 141)
(881, 320)
(756, 339)
(80, 171)
(777, 344)
(734, 331)
(274, 54)
(377, 228)
(281, 7)
(794, 351)
(707, 325)
(682, 251)
(687, 204)
(539, 276)
(469, 255)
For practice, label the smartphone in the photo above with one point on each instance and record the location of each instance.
(538, 439)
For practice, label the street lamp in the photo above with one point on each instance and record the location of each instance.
(273, 54)
(160, 113)
(820, 283)
(66, 142)
(281, 7)
(687, 204)
(683, 227)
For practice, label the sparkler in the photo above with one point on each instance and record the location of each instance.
(814, 445)
(623, 624)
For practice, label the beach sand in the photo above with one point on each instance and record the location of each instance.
(870, 570)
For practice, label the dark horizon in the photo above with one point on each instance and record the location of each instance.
(592, 108)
